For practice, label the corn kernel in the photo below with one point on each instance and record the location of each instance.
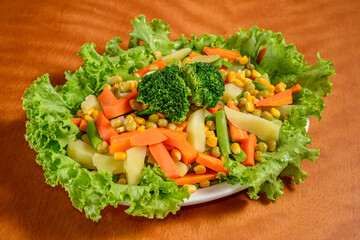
(95, 113)
(231, 76)
(122, 181)
(271, 94)
(224, 74)
(121, 129)
(263, 81)
(141, 128)
(280, 87)
(80, 114)
(209, 133)
(247, 96)
(161, 115)
(153, 67)
(247, 80)
(240, 74)
(133, 85)
(87, 117)
(253, 98)
(235, 148)
(211, 125)
(204, 184)
(207, 128)
(171, 126)
(191, 188)
(271, 87)
(90, 111)
(243, 60)
(135, 105)
(120, 156)
(211, 141)
(238, 83)
(255, 92)
(275, 112)
(175, 155)
(157, 54)
(249, 106)
(139, 120)
(255, 73)
(200, 169)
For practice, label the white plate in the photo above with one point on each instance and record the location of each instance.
(217, 191)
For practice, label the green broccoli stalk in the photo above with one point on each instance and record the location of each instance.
(205, 82)
(166, 92)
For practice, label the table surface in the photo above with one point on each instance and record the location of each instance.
(40, 37)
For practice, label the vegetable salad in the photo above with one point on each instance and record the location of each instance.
(156, 122)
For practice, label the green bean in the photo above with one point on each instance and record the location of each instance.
(240, 157)
(145, 112)
(259, 87)
(93, 134)
(222, 132)
(240, 95)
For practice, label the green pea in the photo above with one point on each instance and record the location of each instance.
(262, 147)
(266, 115)
(271, 145)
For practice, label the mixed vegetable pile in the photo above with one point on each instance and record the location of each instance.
(152, 124)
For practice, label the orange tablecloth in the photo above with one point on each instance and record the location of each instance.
(40, 37)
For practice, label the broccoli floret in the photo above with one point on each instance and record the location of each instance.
(205, 82)
(165, 91)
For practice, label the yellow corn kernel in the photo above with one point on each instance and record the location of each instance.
(122, 181)
(249, 106)
(129, 117)
(139, 120)
(191, 188)
(271, 94)
(114, 87)
(238, 83)
(263, 81)
(90, 111)
(211, 141)
(247, 96)
(235, 148)
(175, 155)
(224, 74)
(255, 92)
(87, 117)
(115, 80)
(161, 115)
(280, 87)
(253, 98)
(209, 133)
(80, 114)
(157, 54)
(121, 129)
(200, 169)
(133, 84)
(255, 73)
(171, 126)
(275, 112)
(243, 60)
(247, 80)
(207, 128)
(151, 159)
(204, 184)
(120, 156)
(271, 87)
(107, 86)
(135, 105)
(141, 128)
(256, 101)
(95, 113)
(231, 76)
(153, 67)
(240, 74)
(211, 125)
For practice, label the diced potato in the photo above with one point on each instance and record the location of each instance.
(264, 129)
(90, 101)
(196, 130)
(134, 163)
(108, 163)
(231, 92)
(183, 168)
(180, 54)
(82, 153)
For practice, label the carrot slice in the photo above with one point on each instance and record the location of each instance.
(237, 134)
(194, 54)
(163, 158)
(168, 147)
(192, 178)
(76, 121)
(120, 106)
(106, 97)
(224, 53)
(159, 63)
(261, 55)
(83, 125)
(249, 148)
(211, 162)
(215, 109)
(178, 139)
(104, 127)
(281, 98)
(147, 137)
(295, 88)
(121, 142)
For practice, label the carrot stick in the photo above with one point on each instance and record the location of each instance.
(178, 139)
(194, 54)
(224, 53)
(192, 178)
(249, 148)
(168, 147)
(147, 137)
(163, 158)
(106, 97)
(159, 63)
(120, 106)
(83, 125)
(237, 134)
(261, 55)
(104, 127)
(281, 98)
(76, 121)
(121, 142)
(215, 109)
(295, 88)
(211, 162)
